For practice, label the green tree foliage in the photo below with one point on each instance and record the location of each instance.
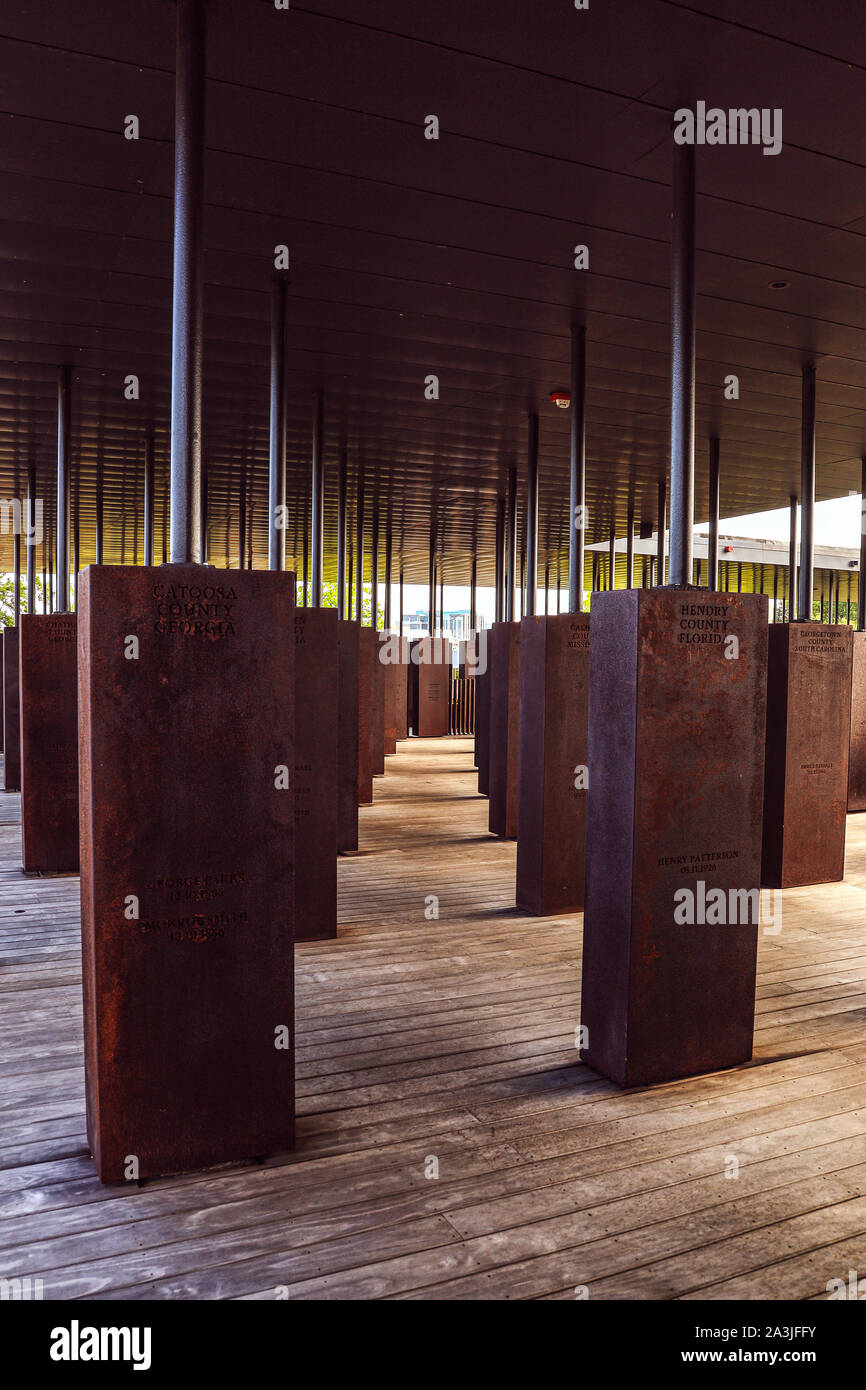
(7, 598)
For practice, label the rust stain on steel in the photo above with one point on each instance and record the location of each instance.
(394, 651)
(808, 733)
(504, 729)
(482, 723)
(187, 823)
(11, 720)
(434, 687)
(366, 705)
(554, 733)
(315, 780)
(347, 736)
(676, 771)
(49, 743)
(857, 757)
(377, 724)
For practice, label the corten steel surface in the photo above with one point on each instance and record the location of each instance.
(49, 743)
(857, 755)
(434, 687)
(186, 812)
(676, 775)
(366, 674)
(504, 721)
(347, 736)
(11, 724)
(315, 779)
(377, 713)
(808, 733)
(396, 651)
(412, 686)
(401, 692)
(552, 796)
(482, 723)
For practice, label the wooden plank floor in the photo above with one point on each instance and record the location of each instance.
(450, 1144)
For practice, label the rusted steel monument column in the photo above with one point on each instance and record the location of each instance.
(186, 709)
(577, 486)
(857, 759)
(808, 717)
(484, 677)
(548, 764)
(504, 717)
(315, 779)
(503, 700)
(676, 746)
(348, 648)
(552, 763)
(316, 729)
(48, 694)
(11, 710)
(11, 645)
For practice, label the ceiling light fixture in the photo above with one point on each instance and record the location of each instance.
(562, 399)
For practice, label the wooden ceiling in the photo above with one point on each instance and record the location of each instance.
(413, 257)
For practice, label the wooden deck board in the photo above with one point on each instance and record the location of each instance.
(453, 1040)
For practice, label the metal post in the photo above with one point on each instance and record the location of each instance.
(499, 570)
(431, 580)
(577, 475)
(205, 519)
(611, 563)
(359, 546)
(473, 594)
(861, 578)
(31, 538)
(682, 367)
(16, 561)
(242, 518)
(187, 328)
(713, 539)
(511, 578)
(532, 514)
(318, 501)
(149, 482)
(342, 497)
(401, 598)
(629, 552)
(64, 406)
(792, 559)
(389, 546)
(374, 562)
(100, 507)
(277, 452)
(661, 533)
(350, 566)
(807, 494)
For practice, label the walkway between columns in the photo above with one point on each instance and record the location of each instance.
(450, 1145)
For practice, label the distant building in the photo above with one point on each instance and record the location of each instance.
(455, 624)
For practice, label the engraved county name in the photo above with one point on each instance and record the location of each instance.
(194, 610)
(703, 622)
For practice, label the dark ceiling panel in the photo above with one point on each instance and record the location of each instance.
(412, 256)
